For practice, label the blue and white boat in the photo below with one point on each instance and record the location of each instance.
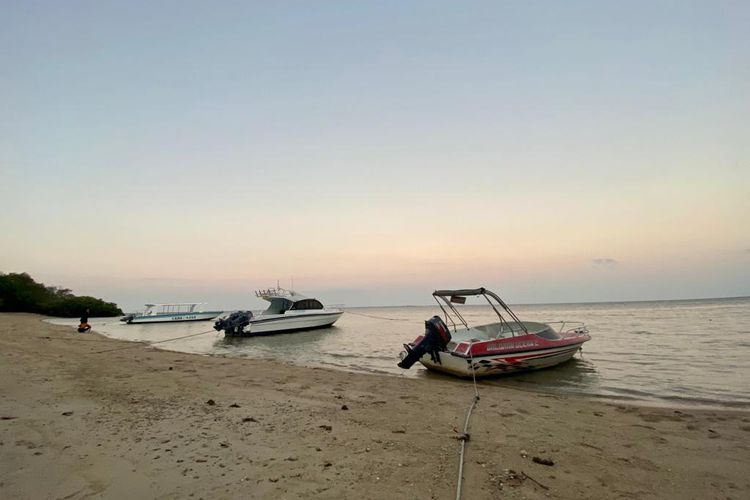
(170, 313)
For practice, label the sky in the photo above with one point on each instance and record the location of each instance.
(375, 151)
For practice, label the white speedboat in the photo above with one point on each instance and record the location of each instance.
(288, 311)
(505, 346)
(170, 313)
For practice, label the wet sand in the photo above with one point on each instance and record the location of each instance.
(84, 416)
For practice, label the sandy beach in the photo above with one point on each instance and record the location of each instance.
(84, 416)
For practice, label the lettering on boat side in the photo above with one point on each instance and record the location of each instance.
(498, 346)
(176, 318)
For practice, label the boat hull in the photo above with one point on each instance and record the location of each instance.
(288, 323)
(500, 364)
(172, 318)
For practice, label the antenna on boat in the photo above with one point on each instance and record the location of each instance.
(292, 278)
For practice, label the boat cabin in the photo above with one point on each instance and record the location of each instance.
(282, 300)
(156, 309)
(280, 305)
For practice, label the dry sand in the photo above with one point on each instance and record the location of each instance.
(135, 422)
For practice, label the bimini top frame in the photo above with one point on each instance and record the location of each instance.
(450, 297)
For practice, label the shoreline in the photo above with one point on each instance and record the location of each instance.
(651, 401)
(137, 420)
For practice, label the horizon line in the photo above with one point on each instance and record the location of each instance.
(571, 303)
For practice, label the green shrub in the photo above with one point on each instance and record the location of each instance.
(20, 293)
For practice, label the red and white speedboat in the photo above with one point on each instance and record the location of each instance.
(508, 345)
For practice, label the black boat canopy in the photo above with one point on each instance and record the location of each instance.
(466, 292)
(469, 292)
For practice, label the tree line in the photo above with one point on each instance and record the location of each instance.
(20, 293)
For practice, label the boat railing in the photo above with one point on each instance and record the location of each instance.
(271, 292)
(574, 327)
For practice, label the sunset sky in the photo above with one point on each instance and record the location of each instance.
(375, 151)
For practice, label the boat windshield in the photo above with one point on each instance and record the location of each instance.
(305, 304)
(278, 305)
(548, 333)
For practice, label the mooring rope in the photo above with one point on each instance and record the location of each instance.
(465, 436)
(381, 317)
(139, 343)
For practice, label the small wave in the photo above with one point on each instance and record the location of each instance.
(360, 356)
(629, 393)
(704, 401)
(357, 368)
(652, 397)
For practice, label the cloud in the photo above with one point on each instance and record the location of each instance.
(604, 261)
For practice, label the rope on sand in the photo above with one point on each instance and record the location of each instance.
(465, 436)
(140, 342)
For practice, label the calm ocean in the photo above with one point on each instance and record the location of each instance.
(678, 353)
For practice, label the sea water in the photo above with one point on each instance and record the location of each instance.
(678, 353)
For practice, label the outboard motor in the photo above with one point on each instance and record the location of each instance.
(234, 324)
(436, 337)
